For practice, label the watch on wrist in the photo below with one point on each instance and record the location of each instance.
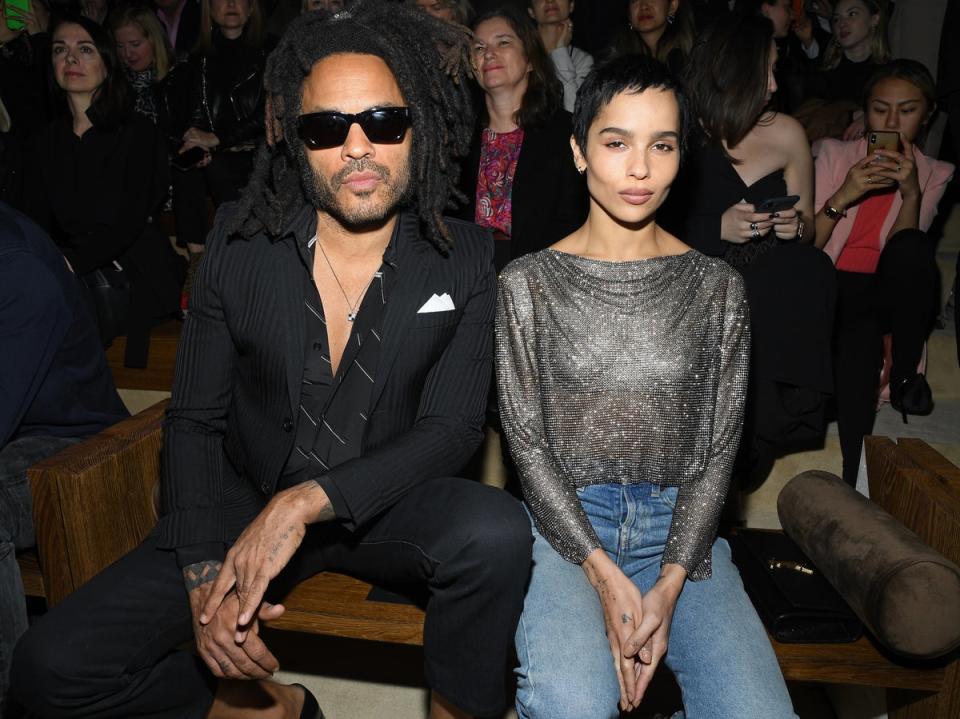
(833, 213)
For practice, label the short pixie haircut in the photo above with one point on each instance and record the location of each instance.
(630, 74)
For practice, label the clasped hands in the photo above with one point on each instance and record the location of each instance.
(637, 626)
(741, 223)
(227, 611)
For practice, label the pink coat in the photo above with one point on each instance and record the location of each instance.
(834, 158)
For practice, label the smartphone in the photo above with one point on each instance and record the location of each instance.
(14, 22)
(778, 204)
(189, 159)
(882, 140)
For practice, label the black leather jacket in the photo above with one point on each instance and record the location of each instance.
(219, 91)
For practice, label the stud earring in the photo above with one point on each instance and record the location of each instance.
(671, 19)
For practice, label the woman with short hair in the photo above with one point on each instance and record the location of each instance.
(622, 359)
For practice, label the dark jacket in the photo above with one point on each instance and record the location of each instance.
(219, 91)
(549, 199)
(232, 419)
(95, 196)
(54, 379)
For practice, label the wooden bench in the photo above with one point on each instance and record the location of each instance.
(94, 501)
(158, 374)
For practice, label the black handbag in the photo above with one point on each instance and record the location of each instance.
(796, 603)
(108, 294)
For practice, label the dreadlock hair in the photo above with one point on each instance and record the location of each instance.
(429, 59)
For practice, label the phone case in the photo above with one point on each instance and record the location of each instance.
(13, 20)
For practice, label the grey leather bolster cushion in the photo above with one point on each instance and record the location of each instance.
(906, 593)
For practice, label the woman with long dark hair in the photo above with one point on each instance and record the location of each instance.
(622, 359)
(96, 176)
(518, 179)
(747, 196)
(662, 29)
(873, 212)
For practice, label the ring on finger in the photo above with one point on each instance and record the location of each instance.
(753, 226)
(755, 234)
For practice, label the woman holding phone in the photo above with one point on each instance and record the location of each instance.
(224, 109)
(876, 198)
(622, 359)
(746, 195)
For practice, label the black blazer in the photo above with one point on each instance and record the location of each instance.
(549, 196)
(231, 422)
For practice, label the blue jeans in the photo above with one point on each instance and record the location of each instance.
(16, 532)
(718, 649)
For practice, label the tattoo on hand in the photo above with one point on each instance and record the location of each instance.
(626, 618)
(200, 573)
(275, 549)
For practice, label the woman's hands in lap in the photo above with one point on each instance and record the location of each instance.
(638, 627)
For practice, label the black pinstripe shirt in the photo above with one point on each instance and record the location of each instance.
(334, 409)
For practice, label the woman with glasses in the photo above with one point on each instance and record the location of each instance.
(96, 175)
(622, 359)
(518, 179)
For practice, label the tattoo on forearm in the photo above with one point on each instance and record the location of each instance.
(200, 573)
(626, 618)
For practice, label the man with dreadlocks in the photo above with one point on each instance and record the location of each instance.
(333, 374)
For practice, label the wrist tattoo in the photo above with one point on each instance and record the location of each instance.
(200, 573)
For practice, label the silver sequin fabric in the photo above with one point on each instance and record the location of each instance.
(623, 372)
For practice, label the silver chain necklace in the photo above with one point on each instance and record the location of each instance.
(352, 314)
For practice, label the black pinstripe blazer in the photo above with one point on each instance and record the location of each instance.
(231, 421)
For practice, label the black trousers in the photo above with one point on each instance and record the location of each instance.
(222, 180)
(111, 649)
(901, 298)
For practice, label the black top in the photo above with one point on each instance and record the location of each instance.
(549, 198)
(94, 194)
(223, 90)
(334, 409)
(709, 185)
(54, 379)
(846, 81)
(234, 412)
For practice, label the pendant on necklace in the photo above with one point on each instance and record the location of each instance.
(351, 316)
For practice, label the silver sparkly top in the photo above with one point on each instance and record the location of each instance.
(623, 372)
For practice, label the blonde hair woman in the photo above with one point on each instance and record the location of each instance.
(141, 42)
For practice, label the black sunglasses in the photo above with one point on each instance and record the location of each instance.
(381, 125)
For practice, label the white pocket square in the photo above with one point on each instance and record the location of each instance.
(437, 303)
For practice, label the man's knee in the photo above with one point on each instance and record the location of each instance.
(40, 675)
(496, 533)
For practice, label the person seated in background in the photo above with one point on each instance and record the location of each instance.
(146, 57)
(55, 390)
(744, 156)
(622, 358)
(795, 50)
(181, 22)
(556, 33)
(96, 176)
(221, 118)
(519, 180)
(874, 207)
(662, 29)
(858, 46)
(458, 11)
